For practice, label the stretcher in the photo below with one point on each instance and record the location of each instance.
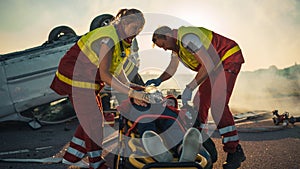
(132, 155)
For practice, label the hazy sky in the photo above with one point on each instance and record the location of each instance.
(266, 30)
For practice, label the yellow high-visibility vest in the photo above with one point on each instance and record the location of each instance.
(205, 37)
(118, 59)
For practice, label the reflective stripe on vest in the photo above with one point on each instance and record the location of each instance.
(75, 83)
(129, 67)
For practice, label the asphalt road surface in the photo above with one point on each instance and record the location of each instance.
(278, 149)
(18, 140)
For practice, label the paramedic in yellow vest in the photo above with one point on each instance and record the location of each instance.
(95, 59)
(217, 61)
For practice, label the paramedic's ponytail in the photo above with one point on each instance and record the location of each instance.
(132, 15)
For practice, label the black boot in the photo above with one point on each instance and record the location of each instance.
(234, 160)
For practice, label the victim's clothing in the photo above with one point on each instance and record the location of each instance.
(168, 128)
(215, 91)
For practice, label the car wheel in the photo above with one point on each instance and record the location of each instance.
(101, 20)
(60, 31)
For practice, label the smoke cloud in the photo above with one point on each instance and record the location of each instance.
(268, 89)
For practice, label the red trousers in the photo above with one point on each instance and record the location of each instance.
(215, 94)
(88, 133)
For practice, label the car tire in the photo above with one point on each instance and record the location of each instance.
(60, 31)
(101, 20)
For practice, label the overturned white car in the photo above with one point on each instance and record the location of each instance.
(25, 77)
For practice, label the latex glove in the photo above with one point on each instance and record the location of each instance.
(186, 95)
(156, 82)
(140, 95)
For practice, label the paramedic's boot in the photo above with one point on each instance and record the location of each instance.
(155, 147)
(235, 159)
(191, 145)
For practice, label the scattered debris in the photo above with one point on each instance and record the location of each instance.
(284, 118)
(251, 115)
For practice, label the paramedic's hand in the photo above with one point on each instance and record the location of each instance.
(140, 95)
(140, 102)
(136, 86)
(186, 95)
(156, 82)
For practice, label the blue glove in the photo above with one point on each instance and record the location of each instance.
(186, 95)
(156, 82)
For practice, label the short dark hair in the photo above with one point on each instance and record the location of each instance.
(160, 33)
